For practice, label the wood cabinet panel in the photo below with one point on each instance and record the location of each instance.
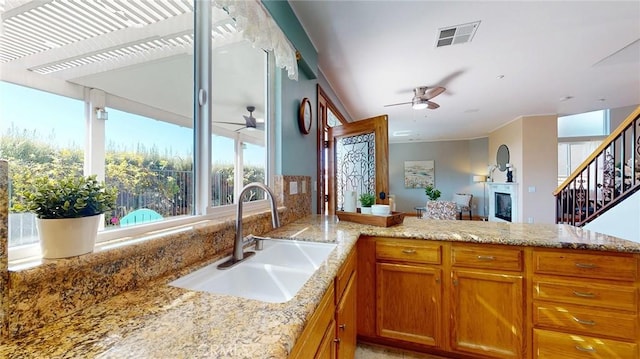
(554, 345)
(344, 274)
(587, 293)
(585, 320)
(327, 347)
(366, 288)
(615, 266)
(487, 257)
(409, 303)
(416, 251)
(314, 332)
(346, 321)
(487, 315)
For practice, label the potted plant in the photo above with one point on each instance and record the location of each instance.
(366, 201)
(68, 213)
(432, 193)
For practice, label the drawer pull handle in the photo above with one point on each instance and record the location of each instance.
(342, 326)
(588, 349)
(585, 322)
(486, 258)
(584, 294)
(586, 265)
(409, 251)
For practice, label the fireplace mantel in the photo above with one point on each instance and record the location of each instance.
(508, 188)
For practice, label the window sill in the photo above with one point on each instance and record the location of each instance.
(124, 240)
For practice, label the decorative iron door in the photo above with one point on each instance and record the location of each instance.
(358, 160)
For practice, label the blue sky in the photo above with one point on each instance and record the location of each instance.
(60, 120)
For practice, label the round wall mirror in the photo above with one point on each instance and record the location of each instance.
(502, 158)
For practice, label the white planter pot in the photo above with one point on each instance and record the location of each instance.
(365, 210)
(67, 237)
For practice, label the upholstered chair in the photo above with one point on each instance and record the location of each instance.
(463, 201)
(441, 210)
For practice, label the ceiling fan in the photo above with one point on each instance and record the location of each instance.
(250, 121)
(422, 95)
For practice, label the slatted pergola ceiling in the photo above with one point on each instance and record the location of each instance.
(40, 26)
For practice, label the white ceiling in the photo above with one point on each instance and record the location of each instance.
(375, 52)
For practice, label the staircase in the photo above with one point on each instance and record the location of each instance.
(607, 177)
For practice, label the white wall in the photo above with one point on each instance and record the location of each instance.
(621, 221)
(533, 151)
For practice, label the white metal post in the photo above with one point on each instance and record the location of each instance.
(202, 110)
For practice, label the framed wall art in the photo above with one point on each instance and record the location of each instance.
(419, 174)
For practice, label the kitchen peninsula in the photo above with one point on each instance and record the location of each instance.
(161, 321)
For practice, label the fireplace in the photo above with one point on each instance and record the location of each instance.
(503, 206)
(503, 202)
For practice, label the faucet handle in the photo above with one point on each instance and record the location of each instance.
(257, 240)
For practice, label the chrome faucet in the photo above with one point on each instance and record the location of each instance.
(238, 254)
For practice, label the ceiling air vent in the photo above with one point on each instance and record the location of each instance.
(458, 34)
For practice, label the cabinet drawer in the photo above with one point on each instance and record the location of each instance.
(409, 251)
(554, 345)
(576, 292)
(345, 272)
(588, 321)
(487, 257)
(600, 265)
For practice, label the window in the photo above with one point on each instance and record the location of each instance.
(44, 139)
(571, 155)
(138, 65)
(150, 162)
(595, 123)
(238, 151)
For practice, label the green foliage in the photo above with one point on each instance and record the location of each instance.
(432, 193)
(367, 200)
(143, 178)
(68, 197)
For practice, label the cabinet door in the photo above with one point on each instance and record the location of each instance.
(409, 303)
(487, 314)
(327, 346)
(346, 321)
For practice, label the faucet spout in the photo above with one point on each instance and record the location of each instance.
(238, 253)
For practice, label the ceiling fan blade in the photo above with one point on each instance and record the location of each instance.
(432, 105)
(230, 123)
(396, 104)
(434, 92)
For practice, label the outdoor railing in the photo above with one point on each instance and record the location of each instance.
(608, 176)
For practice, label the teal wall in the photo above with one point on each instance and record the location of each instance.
(295, 152)
(288, 22)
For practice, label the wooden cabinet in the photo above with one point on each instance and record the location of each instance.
(327, 347)
(409, 303)
(331, 331)
(498, 301)
(316, 334)
(346, 308)
(487, 316)
(409, 291)
(585, 304)
(487, 301)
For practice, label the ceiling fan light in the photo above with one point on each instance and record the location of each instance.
(419, 103)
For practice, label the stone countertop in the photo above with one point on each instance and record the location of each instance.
(159, 321)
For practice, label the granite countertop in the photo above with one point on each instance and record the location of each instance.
(159, 321)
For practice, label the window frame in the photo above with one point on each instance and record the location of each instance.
(200, 165)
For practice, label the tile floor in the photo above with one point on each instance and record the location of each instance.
(367, 351)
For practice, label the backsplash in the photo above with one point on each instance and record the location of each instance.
(58, 288)
(4, 243)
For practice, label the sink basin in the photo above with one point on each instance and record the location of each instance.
(274, 274)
